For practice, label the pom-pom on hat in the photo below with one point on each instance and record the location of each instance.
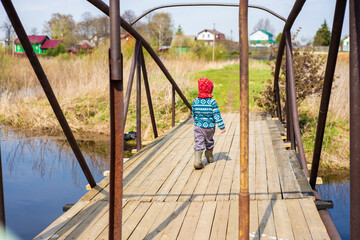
(205, 88)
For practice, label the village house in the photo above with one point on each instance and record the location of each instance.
(208, 36)
(40, 44)
(261, 38)
(182, 43)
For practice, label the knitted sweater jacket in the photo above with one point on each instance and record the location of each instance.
(206, 113)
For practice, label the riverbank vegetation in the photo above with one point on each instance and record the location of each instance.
(81, 86)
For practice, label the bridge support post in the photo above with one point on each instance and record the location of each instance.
(244, 197)
(354, 119)
(116, 124)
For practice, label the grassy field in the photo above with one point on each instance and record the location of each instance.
(227, 85)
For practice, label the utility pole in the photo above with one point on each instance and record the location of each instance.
(213, 55)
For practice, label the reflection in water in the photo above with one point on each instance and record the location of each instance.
(339, 193)
(40, 176)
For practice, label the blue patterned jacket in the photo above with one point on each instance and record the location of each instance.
(206, 113)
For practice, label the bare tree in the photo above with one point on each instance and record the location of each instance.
(160, 29)
(264, 25)
(86, 28)
(8, 29)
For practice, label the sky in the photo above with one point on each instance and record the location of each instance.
(192, 19)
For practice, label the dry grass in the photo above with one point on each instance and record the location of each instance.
(81, 87)
(335, 152)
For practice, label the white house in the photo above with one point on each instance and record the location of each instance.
(261, 38)
(346, 44)
(208, 36)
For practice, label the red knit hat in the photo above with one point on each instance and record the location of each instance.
(205, 88)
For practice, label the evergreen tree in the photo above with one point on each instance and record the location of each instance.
(278, 38)
(322, 36)
(179, 31)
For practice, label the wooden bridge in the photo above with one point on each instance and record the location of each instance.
(165, 198)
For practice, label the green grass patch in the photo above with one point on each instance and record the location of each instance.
(227, 86)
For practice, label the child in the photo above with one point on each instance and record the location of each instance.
(206, 114)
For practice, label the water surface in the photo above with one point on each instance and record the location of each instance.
(40, 176)
(339, 192)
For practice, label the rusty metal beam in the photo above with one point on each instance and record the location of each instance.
(34, 61)
(244, 196)
(289, 22)
(131, 79)
(205, 5)
(138, 105)
(173, 107)
(148, 94)
(354, 119)
(294, 115)
(105, 9)
(116, 124)
(326, 92)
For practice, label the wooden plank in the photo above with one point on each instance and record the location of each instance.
(214, 183)
(227, 177)
(254, 221)
(151, 160)
(289, 186)
(90, 220)
(314, 222)
(146, 222)
(136, 189)
(302, 180)
(157, 179)
(62, 220)
(175, 222)
(161, 222)
(297, 219)
(96, 190)
(271, 166)
(252, 161)
(282, 220)
(131, 223)
(233, 224)
(235, 187)
(188, 227)
(205, 222)
(77, 220)
(266, 220)
(261, 188)
(218, 231)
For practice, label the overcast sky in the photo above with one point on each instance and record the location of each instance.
(192, 19)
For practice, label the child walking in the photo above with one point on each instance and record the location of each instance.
(206, 115)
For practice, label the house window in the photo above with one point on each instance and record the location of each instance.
(208, 35)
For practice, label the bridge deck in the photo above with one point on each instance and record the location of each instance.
(165, 198)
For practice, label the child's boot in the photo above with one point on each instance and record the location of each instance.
(209, 155)
(198, 163)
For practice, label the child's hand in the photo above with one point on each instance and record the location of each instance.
(223, 131)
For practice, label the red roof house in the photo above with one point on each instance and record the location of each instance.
(36, 41)
(50, 44)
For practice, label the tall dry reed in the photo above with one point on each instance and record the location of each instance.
(81, 87)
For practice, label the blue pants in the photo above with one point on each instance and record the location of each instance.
(203, 138)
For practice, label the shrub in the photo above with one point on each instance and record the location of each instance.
(309, 75)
